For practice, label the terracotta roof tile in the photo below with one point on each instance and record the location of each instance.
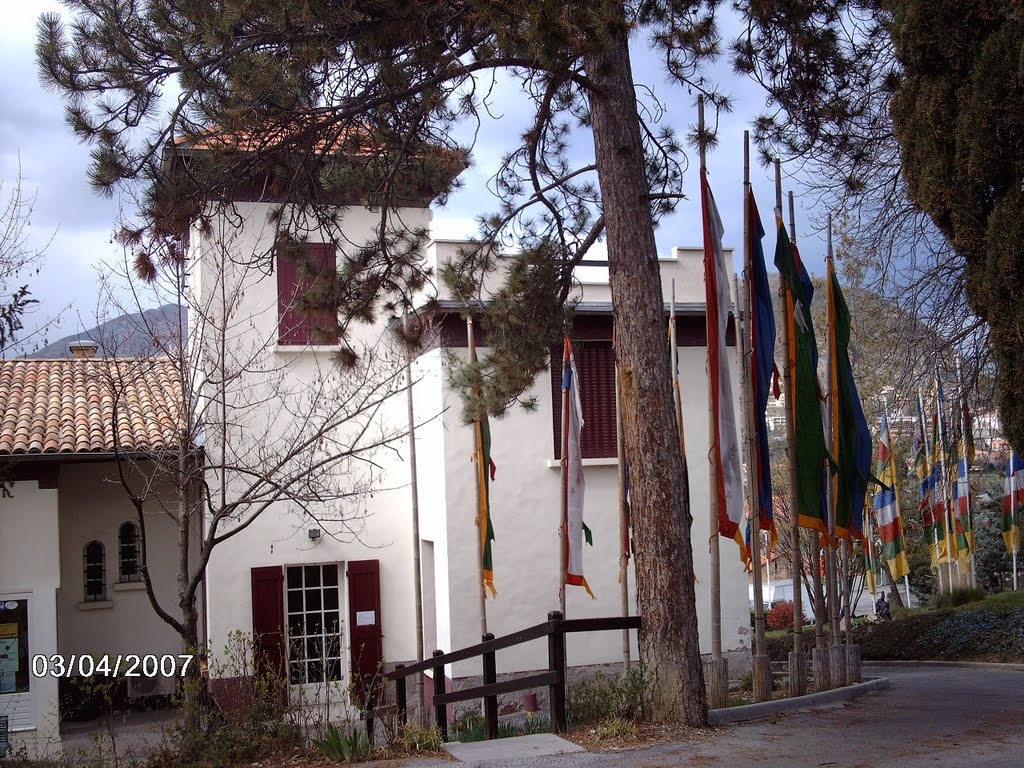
(67, 406)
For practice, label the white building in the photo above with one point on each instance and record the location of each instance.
(70, 579)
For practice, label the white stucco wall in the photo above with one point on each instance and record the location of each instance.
(525, 503)
(30, 568)
(281, 379)
(93, 505)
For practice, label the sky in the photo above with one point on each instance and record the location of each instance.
(75, 224)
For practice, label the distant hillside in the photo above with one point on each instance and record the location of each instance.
(124, 336)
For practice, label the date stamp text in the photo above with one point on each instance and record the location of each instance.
(129, 665)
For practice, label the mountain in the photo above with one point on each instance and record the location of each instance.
(133, 335)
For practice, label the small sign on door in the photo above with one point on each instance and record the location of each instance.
(366, 618)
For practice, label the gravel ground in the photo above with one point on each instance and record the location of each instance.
(930, 717)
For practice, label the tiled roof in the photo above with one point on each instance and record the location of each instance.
(67, 406)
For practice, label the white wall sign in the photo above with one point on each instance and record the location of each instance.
(366, 618)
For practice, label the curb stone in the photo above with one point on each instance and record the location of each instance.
(751, 711)
(964, 664)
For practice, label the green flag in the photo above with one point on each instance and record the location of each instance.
(803, 404)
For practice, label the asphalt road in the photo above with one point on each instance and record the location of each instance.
(947, 717)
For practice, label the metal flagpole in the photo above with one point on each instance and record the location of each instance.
(762, 664)
(797, 659)
(837, 653)
(719, 687)
(416, 556)
(478, 461)
(620, 447)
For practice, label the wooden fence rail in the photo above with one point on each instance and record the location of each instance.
(555, 678)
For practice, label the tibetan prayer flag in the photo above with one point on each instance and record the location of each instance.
(887, 511)
(762, 361)
(1013, 502)
(922, 469)
(727, 484)
(803, 403)
(851, 428)
(486, 469)
(572, 522)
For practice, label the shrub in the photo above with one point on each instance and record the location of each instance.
(340, 747)
(602, 698)
(414, 738)
(959, 596)
(781, 615)
(616, 729)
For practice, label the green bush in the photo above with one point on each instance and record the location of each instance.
(414, 738)
(350, 747)
(959, 596)
(603, 698)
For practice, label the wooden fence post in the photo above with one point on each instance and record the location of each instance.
(400, 696)
(440, 710)
(556, 664)
(490, 702)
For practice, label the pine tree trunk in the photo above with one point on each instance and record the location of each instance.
(661, 517)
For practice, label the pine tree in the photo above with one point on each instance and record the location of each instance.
(191, 102)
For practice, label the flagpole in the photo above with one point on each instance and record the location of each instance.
(762, 664)
(719, 683)
(967, 469)
(478, 460)
(797, 659)
(837, 654)
(620, 447)
(416, 546)
(563, 526)
(944, 481)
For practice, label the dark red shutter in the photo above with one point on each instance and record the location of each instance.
(595, 365)
(268, 618)
(297, 327)
(367, 638)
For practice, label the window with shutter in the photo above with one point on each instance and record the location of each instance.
(313, 270)
(595, 365)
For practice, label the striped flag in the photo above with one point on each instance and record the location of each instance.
(486, 469)
(887, 511)
(1013, 501)
(574, 527)
(962, 501)
(762, 361)
(728, 482)
(870, 561)
(940, 468)
(923, 471)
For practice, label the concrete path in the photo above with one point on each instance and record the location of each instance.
(533, 745)
(934, 717)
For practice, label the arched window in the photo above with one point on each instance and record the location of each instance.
(128, 552)
(95, 569)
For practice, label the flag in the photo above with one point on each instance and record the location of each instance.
(887, 510)
(803, 401)
(924, 483)
(870, 562)
(962, 500)
(762, 361)
(940, 489)
(573, 525)
(728, 482)
(486, 469)
(1013, 501)
(852, 434)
